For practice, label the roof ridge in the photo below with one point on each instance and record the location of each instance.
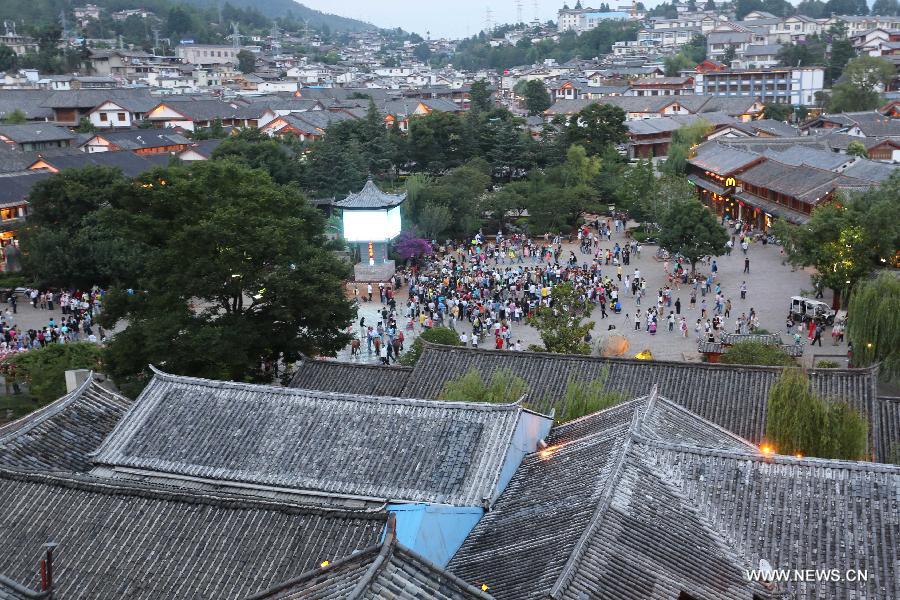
(28, 422)
(370, 398)
(780, 459)
(565, 576)
(619, 360)
(116, 487)
(340, 363)
(388, 546)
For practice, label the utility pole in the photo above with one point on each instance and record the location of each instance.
(488, 20)
(519, 8)
(537, 12)
(156, 41)
(235, 36)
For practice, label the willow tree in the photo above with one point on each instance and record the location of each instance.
(874, 327)
(799, 421)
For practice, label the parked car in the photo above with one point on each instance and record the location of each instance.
(807, 309)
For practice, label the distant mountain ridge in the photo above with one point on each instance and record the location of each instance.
(281, 8)
(29, 12)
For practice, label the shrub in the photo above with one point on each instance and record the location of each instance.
(435, 335)
(756, 353)
(504, 387)
(44, 369)
(827, 364)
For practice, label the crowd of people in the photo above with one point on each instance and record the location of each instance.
(485, 289)
(79, 310)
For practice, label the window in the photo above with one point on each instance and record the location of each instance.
(104, 117)
(121, 116)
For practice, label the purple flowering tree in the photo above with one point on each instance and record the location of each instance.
(410, 247)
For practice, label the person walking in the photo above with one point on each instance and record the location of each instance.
(743, 290)
(747, 264)
(637, 320)
(817, 336)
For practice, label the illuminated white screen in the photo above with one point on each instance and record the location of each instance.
(371, 225)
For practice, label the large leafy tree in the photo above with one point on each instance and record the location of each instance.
(480, 96)
(873, 326)
(63, 242)
(536, 97)
(690, 229)
(246, 61)
(864, 79)
(846, 240)
(230, 271)
(259, 151)
(597, 126)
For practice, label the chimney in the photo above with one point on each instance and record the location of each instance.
(75, 377)
(47, 568)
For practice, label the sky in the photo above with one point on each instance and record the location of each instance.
(443, 18)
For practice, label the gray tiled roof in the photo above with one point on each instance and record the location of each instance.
(805, 155)
(371, 197)
(129, 541)
(889, 429)
(870, 170)
(585, 516)
(722, 159)
(320, 443)
(388, 571)
(333, 376)
(137, 99)
(135, 139)
(732, 396)
(27, 101)
(59, 436)
(129, 163)
(630, 509)
(15, 187)
(35, 132)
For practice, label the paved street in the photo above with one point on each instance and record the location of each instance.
(770, 285)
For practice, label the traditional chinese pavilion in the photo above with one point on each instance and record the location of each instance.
(371, 219)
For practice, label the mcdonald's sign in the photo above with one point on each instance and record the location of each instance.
(729, 186)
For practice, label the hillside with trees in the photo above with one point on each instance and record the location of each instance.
(43, 12)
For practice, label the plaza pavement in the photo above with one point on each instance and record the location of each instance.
(770, 286)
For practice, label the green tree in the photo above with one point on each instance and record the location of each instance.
(44, 369)
(815, 9)
(803, 55)
(683, 140)
(62, 243)
(676, 63)
(234, 273)
(799, 421)
(258, 151)
(841, 49)
(246, 61)
(504, 387)
(848, 239)
(435, 335)
(855, 148)
(873, 327)
(536, 98)
(480, 97)
(561, 325)
(777, 112)
(864, 79)
(886, 8)
(85, 126)
(690, 229)
(639, 182)
(15, 117)
(729, 54)
(8, 59)
(587, 397)
(756, 353)
(596, 127)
